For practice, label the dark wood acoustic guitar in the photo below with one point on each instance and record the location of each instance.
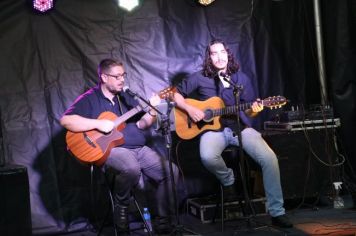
(94, 146)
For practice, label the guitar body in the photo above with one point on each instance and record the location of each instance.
(94, 146)
(213, 108)
(187, 129)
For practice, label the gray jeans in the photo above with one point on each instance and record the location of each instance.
(130, 166)
(212, 145)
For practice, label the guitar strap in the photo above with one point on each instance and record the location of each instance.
(118, 98)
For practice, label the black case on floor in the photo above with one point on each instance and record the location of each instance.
(15, 212)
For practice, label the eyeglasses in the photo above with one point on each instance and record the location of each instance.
(119, 76)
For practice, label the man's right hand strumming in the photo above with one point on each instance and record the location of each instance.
(195, 114)
(105, 126)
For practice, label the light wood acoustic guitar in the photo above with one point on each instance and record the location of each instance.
(213, 108)
(94, 146)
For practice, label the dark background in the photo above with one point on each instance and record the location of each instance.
(47, 60)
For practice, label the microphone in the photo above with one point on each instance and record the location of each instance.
(137, 96)
(225, 76)
(126, 89)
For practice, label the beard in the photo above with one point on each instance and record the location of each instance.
(115, 89)
(220, 65)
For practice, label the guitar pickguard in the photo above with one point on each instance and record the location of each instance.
(202, 123)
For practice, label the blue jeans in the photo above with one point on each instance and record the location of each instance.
(212, 144)
(131, 165)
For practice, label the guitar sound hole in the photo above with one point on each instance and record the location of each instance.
(88, 140)
(209, 115)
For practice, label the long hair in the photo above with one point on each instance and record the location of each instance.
(209, 70)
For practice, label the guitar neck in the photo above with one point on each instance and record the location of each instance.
(167, 92)
(127, 115)
(229, 110)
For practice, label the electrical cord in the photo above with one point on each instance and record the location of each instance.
(311, 149)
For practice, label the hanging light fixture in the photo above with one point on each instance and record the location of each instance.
(42, 5)
(128, 4)
(205, 2)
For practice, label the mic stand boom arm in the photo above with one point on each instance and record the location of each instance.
(135, 95)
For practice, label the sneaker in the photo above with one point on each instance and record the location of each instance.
(162, 225)
(282, 221)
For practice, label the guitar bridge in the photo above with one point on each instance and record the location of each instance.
(88, 140)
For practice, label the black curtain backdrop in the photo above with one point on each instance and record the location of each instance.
(47, 60)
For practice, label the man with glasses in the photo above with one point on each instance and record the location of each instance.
(132, 161)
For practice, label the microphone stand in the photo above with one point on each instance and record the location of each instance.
(237, 91)
(136, 95)
(165, 127)
(179, 229)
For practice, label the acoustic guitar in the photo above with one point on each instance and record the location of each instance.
(213, 108)
(94, 146)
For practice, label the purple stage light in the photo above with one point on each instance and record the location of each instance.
(42, 5)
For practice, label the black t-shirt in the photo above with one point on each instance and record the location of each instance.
(202, 88)
(93, 102)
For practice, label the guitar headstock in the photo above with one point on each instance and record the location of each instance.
(167, 93)
(275, 102)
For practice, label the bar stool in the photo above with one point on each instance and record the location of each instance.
(109, 185)
(231, 152)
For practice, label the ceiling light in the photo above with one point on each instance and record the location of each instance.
(128, 4)
(205, 2)
(42, 5)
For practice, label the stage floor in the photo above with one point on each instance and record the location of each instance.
(307, 220)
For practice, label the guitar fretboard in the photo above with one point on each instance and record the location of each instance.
(127, 115)
(232, 109)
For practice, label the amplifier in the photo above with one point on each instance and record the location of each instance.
(302, 125)
(315, 112)
(300, 156)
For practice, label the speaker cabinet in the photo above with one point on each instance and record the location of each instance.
(2, 150)
(15, 212)
(300, 155)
